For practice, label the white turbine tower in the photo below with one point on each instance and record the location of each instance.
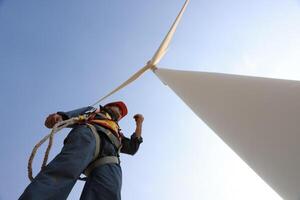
(258, 118)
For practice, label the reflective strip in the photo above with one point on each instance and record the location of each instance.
(108, 116)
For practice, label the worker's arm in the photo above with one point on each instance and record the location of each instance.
(74, 113)
(52, 119)
(139, 119)
(131, 146)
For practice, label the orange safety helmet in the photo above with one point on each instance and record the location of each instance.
(121, 106)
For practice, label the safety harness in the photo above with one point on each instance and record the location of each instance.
(110, 128)
(96, 122)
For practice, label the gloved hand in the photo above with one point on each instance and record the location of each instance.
(52, 119)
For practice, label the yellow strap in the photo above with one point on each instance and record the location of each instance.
(108, 116)
(107, 123)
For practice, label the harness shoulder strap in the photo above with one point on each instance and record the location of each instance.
(97, 138)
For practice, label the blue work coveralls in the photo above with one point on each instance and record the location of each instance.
(57, 179)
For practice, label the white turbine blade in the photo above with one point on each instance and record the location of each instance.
(165, 43)
(127, 82)
(156, 58)
(257, 117)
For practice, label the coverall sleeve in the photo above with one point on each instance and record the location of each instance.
(130, 146)
(74, 113)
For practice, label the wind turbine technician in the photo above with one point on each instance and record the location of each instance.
(92, 147)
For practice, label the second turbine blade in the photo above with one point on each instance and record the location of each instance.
(127, 82)
(165, 43)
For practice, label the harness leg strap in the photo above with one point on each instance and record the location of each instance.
(101, 161)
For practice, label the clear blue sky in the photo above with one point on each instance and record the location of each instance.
(60, 55)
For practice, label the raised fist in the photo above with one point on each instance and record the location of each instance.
(138, 118)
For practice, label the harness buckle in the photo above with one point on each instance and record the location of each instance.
(91, 111)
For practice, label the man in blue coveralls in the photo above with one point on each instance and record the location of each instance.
(104, 175)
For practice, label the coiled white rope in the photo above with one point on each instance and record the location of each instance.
(57, 127)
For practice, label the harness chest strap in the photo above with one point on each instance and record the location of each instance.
(107, 126)
(114, 140)
(107, 123)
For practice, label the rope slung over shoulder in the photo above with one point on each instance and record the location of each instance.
(108, 126)
(57, 127)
